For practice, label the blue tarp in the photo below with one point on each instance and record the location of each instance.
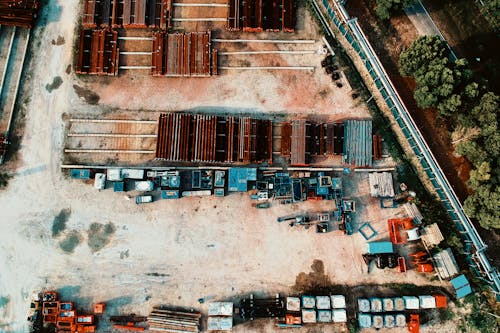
(118, 186)
(380, 247)
(461, 285)
(239, 177)
(80, 173)
(170, 194)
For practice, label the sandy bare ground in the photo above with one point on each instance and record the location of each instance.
(168, 252)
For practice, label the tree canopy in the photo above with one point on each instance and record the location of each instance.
(449, 87)
(387, 7)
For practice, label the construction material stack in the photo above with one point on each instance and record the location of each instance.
(99, 53)
(168, 320)
(259, 15)
(18, 13)
(220, 316)
(182, 54)
(314, 309)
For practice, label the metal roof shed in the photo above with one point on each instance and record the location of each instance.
(461, 285)
(380, 247)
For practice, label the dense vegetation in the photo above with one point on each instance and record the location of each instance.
(491, 9)
(385, 8)
(472, 113)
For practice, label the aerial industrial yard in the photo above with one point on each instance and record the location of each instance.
(211, 166)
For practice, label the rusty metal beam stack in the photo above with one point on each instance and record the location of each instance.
(19, 13)
(298, 143)
(98, 52)
(134, 14)
(261, 15)
(127, 13)
(213, 139)
(159, 14)
(183, 54)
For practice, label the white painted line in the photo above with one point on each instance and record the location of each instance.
(275, 41)
(266, 52)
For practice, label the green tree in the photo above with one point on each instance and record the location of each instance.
(484, 205)
(387, 7)
(472, 151)
(419, 55)
(479, 175)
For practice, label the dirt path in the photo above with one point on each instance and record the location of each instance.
(400, 33)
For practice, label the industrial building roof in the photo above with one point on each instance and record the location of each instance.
(461, 285)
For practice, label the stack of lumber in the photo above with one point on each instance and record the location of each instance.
(381, 184)
(165, 320)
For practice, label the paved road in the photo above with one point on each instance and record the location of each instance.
(424, 24)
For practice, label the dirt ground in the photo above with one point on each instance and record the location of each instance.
(61, 234)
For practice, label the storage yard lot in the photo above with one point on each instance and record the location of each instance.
(171, 251)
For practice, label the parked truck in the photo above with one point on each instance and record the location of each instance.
(140, 199)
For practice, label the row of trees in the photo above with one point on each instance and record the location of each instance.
(472, 113)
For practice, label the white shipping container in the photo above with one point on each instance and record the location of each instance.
(411, 302)
(100, 181)
(339, 316)
(338, 301)
(133, 173)
(389, 321)
(293, 304)
(363, 305)
(388, 304)
(323, 302)
(365, 320)
(399, 304)
(220, 323)
(376, 305)
(400, 320)
(427, 302)
(220, 309)
(308, 302)
(378, 321)
(308, 316)
(324, 316)
(115, 175)
(144, 186)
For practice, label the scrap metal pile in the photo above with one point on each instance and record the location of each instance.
(261, 15)
(127, 14)
(19, 13)
(99, 52)
(183, 54)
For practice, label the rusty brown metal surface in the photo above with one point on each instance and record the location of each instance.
(261, 15)
(19, 13)
(183, 54)
(98, 53)
(213, 139)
